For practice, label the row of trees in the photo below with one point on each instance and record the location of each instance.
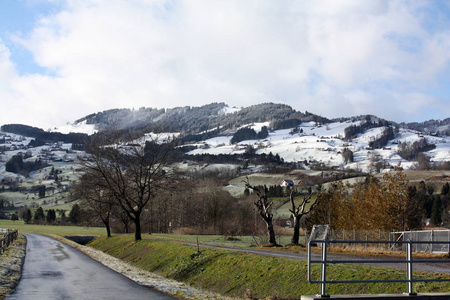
(410, 151)
(247, 133)
(387, 203)
(76, 215)
(374, 204)
(275, 190)
(383, 139)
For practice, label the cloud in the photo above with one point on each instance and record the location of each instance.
(334, 58)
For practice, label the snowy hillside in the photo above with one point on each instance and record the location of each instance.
(325, 144)
(55, 153)
(303, 138)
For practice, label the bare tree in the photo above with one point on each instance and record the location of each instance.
(121, 215)
(298, 211)
(263, 205)
(92, 194)
(132, 173)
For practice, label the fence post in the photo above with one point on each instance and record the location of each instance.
(324, 270)
(409, 268)
(432, 239)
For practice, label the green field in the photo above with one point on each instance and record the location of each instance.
(50, 229)
(236, 241)
(239, 241)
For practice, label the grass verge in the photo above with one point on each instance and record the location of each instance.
(237, 274)
(11, 262)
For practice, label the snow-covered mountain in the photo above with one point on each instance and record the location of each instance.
(302, 138)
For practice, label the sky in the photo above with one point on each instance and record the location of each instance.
(61, 60)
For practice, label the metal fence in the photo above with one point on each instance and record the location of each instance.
(423, 236)
(9, 236)
(378, 235)
(409, 261)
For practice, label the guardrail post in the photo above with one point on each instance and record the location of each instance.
(409, 262)
(309, 261)
(323, 279)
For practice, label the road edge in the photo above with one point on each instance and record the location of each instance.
(142, 277)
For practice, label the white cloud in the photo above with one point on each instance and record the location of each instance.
(329, 57)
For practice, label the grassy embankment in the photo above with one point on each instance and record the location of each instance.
(232, 273)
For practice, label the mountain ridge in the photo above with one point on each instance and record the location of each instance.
(194, 120)
(215, 133)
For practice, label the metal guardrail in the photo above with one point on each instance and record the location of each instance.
(409, 261)
(10, 236)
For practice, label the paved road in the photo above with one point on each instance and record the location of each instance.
(53, 270)
(440, 267)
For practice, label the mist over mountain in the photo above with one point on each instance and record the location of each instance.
(192, 120)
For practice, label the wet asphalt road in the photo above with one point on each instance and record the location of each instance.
(53, 270)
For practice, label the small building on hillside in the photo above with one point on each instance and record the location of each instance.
(306, 183)
(287, 182)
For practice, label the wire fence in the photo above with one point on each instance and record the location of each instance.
(361, 235)
(423, 236)
(396, 237)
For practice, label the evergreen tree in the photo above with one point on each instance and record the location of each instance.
(41, 190)
(39, 215)
(27, 216)
(415, 210)
(436, 211)
(51, 216)
(263, 133)
(75, 214)
(347, 154)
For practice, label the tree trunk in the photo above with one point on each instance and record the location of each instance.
(296, 234)
(137, 224)
(270, 230)
(108, 229)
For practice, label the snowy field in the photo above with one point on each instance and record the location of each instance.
(325, 144)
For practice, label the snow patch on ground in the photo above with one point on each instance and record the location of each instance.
(229, 110)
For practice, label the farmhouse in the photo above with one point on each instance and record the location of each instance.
(287, 182)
